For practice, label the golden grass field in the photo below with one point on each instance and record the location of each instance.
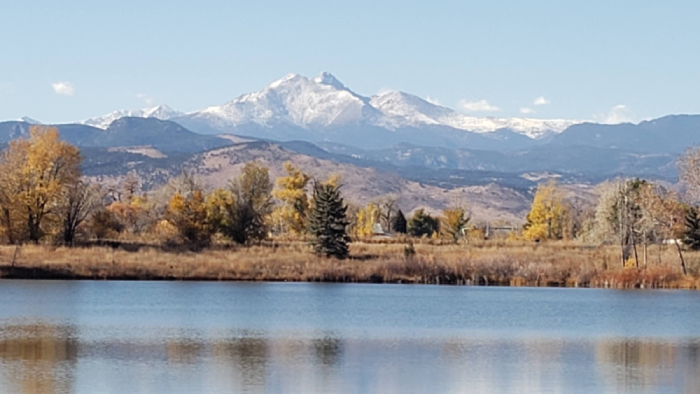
(506, 263)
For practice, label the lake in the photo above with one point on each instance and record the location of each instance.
(190, 337)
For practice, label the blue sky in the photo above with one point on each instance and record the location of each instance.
(605, 60)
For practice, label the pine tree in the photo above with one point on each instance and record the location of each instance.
(422, 224)
(691, 236)
(328, 222)
(399, 224)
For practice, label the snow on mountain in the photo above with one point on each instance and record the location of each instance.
(162, 112)
(410, 110)
(323, 103)
(293, 101)
(29, 120)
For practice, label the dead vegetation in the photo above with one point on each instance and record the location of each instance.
(505, 263)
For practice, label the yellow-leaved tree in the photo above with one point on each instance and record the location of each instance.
(365, 220)
(291, 191)
(454, 222)
(36, 173)
(548, 215)
(190, 216)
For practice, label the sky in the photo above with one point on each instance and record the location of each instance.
(607, 61)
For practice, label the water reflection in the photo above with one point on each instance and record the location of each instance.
(51, 358)
(636, 364)
(245, 358)
(37, 358)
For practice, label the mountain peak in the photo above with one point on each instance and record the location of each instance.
(162, 112)
(296, 106)
(29, 120)
(286, 79)
(327, 78)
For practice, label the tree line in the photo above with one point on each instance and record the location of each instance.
(629, 213)
(45, 198)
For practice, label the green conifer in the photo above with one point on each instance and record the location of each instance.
(691, 236)
(399, 224)
(328, 221)
(422, 224)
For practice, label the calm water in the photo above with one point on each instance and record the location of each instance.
(160, 337)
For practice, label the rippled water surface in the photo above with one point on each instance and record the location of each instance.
(167, 337)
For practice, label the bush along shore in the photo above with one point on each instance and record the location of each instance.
(490, 263)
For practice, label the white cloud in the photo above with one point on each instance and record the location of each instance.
(478, 106)
(527, 110)
(148, 100)
(618, 114)
(63, 88)
(541, 101)
(432, 100)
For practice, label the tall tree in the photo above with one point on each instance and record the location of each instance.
(689, 172)
(547, 216)
(11, 184)
(386, 207)
(423, 224)
(453, 222)
(365, 220)
(189, 215)
(79, 201)
(399, 224)
(291, 191)
(250, 205)
(37, 170)
(328, 221)
(691, 236)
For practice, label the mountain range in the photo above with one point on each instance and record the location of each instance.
(324, 109)
(429, 153)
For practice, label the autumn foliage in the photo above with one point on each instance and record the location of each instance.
(36, 177)
(45, 199)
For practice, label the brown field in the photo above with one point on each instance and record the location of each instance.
(505, 263)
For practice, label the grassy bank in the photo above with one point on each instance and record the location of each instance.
(486, 263)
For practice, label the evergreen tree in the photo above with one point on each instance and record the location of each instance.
(423, 224)
(328, 222)
(691, 236)
(399, 224)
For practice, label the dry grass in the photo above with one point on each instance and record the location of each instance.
(485, 263)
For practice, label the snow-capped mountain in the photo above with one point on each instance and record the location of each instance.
(324, 109)
(162, 112)
(325, 102)
(27, 119)
(292, 101)
(409, 110)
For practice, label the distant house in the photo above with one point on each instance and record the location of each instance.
(377, 229)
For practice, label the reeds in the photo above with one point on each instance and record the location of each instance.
(507, 263)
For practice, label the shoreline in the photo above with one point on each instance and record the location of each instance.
(487, 264)
(38, 274)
